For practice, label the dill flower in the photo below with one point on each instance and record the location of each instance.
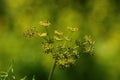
(66, 38)
(30, 32)
(47, 48)
(73, 28)
(64, 55)
(57, 38)
(42, 34)
(88, 38)
(58, 32)
(45, 23)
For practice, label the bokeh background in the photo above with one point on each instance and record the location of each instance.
(98, 18)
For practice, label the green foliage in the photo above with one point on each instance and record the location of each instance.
(9, 75)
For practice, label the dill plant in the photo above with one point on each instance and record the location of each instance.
(64, 55)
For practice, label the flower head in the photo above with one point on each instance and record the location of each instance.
(30, 32)
(73, 28)
(42, 34)
(58, 32)
(88, 38)
(45, 23)
(57, 38)
(66, 38)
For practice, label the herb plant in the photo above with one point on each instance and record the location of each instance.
(64, 49)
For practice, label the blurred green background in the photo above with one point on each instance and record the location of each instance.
(99, 18)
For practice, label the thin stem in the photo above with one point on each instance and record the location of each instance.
(52, 71)
(46, 29)
(4, 78)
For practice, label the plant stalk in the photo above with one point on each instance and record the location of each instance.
(52, 71)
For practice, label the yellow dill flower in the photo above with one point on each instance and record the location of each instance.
(73, 28)
(42, 34)
(66, 38)
(57, 38)
(45, 23)
(58, 32)
(88, 38)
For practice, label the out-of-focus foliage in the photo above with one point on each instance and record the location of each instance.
(99, 18)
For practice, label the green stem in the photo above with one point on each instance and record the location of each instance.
(52, 71)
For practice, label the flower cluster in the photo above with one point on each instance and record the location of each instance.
(86, 46)
(64, 55)
(30, 32)
(45, 23)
